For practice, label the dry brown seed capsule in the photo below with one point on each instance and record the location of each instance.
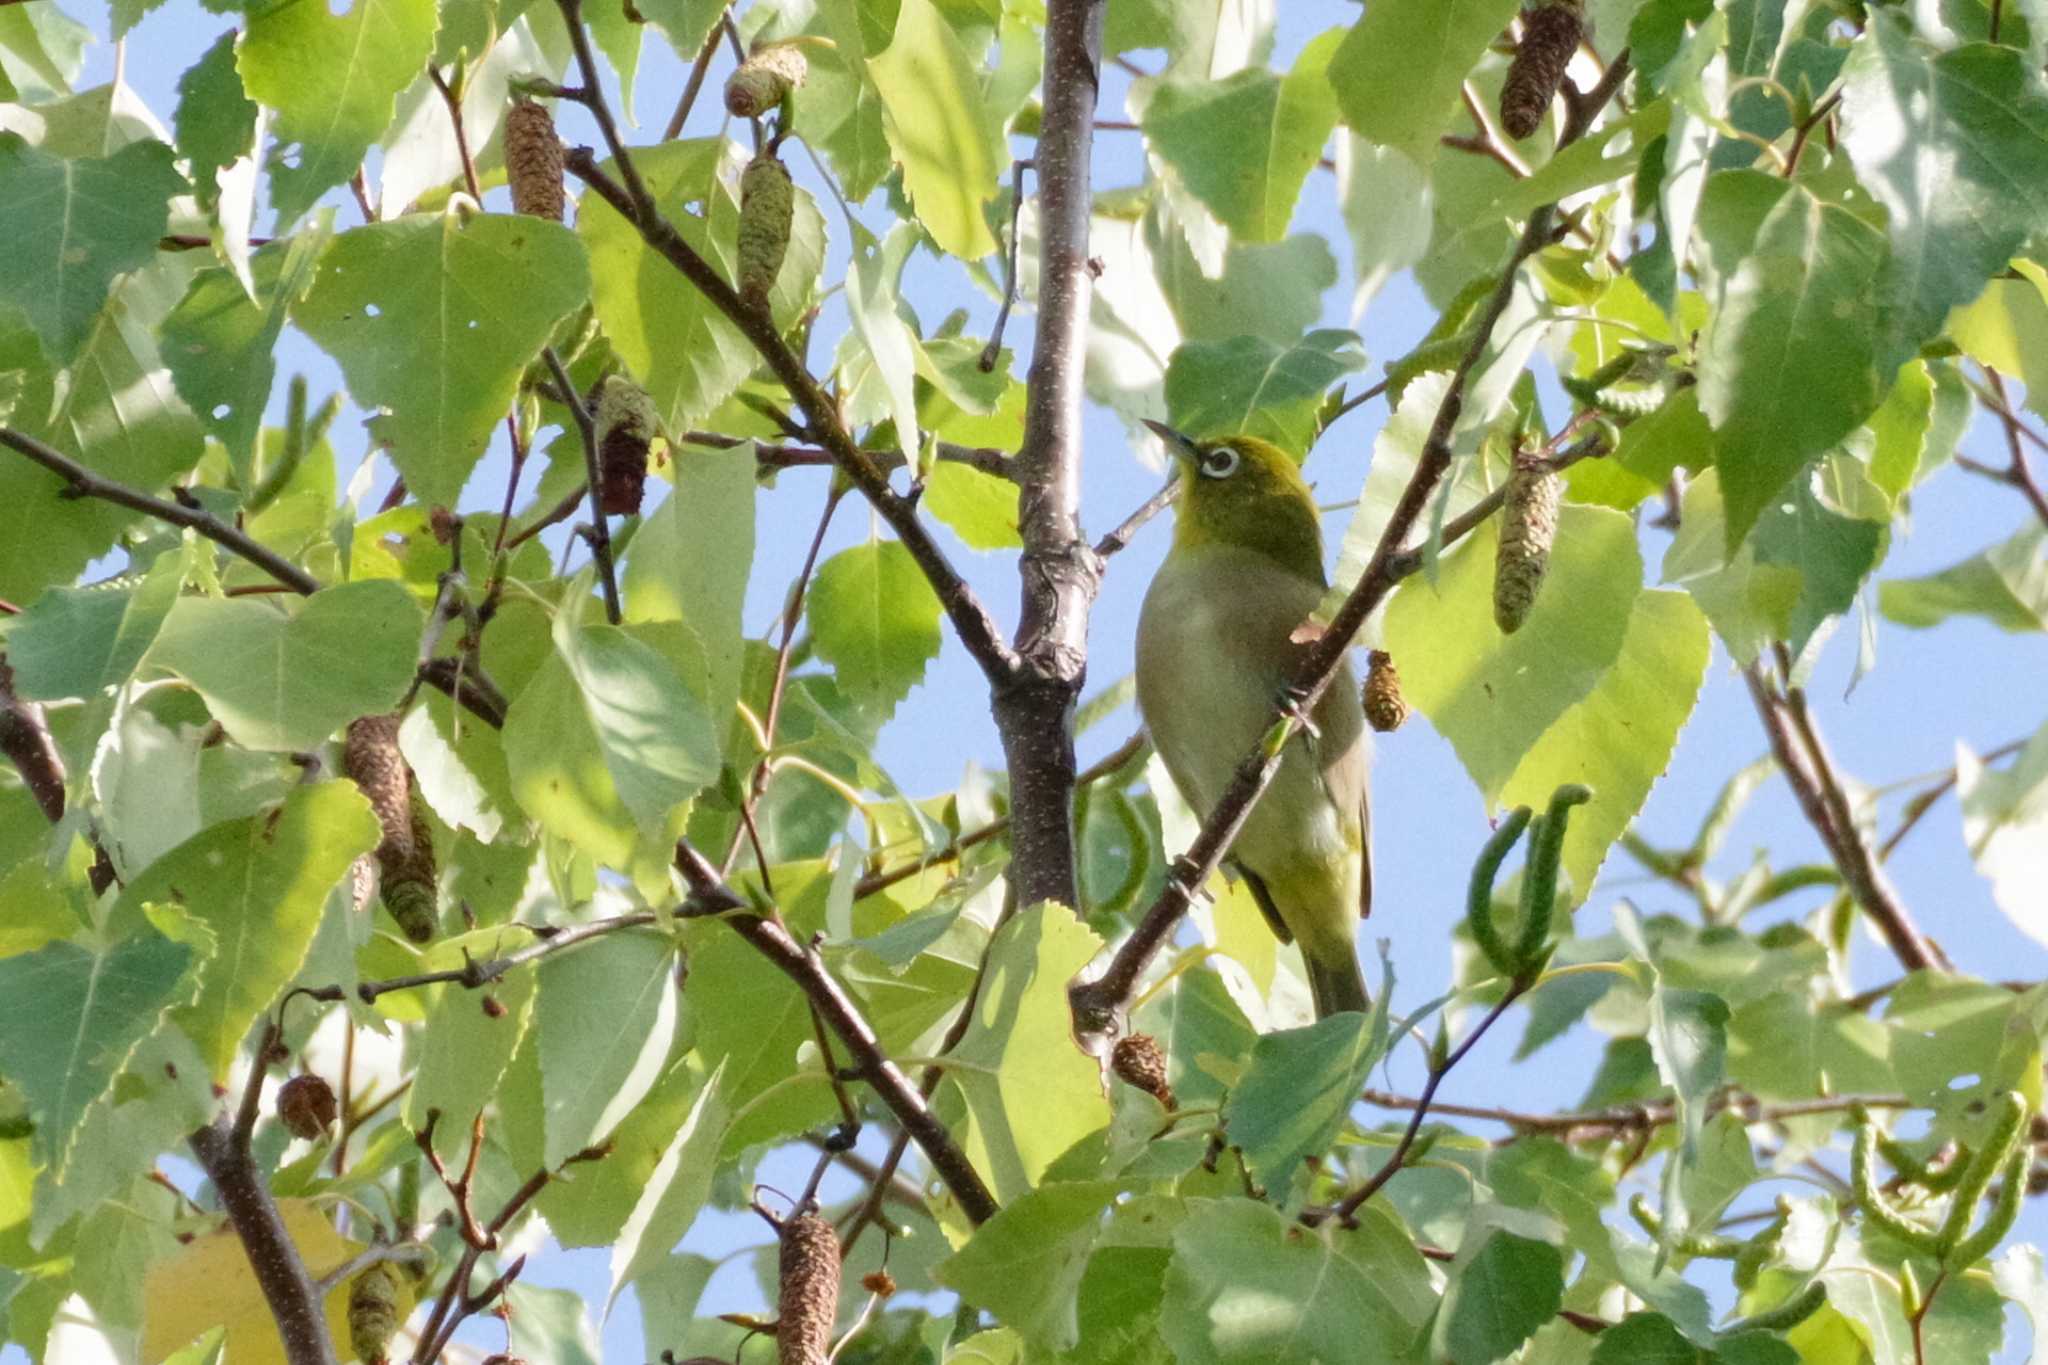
(493, 1007)
(767, 208)
(406, 869)
(1528, 528)
(626, 423)
(533, 160)
(1138, 1060)
(502, 1359)
(879, 1282)
(373, 1312)
(809, 1301)
(1385, 707)
(1550, 35)
(305, 1105)
(764, 80)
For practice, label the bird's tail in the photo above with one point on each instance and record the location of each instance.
(1335, 981)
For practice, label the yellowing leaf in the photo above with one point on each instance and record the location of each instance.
(209, 1284)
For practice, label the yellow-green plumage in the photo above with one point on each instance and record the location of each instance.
(1215, 648)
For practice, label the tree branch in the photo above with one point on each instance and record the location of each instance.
(280, 1273)
(1059, 572)
(773, 940)
(1096, 1003)
(25, 739)
(1594, 1124)
(1796, 744)
(593, 484)
(976, 628)
(83, 483)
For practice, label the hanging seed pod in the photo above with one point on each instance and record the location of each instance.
(1385, 707)
(373, 1312)
(809, 1302)
(765, 80)
(533, 161)
(1139, 1062)
(406, 870)
(305, 1105)
(1550, 35)
(626, 423)
(879, 1282)
(1528, 528)
(767, 208)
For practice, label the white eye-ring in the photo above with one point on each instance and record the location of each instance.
(1219, 462)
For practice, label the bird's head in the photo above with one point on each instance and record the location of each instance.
(1242, 491)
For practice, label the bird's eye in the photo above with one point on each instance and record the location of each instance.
(1219, 462)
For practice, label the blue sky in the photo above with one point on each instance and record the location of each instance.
(1930, 689)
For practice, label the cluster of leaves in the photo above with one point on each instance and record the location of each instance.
(1794, 254)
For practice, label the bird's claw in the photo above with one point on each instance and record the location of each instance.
(1293, 704)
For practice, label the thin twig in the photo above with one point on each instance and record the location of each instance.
(994, 349)
(698, 70)
(449, 98)
(2016, 472)
(1116, 540)
(274, 1259)
(1591, 1124)
(84, 483)
(600, 529)
(1346, 1209)
(1795, 742)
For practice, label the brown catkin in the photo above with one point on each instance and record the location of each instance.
(1385, 707)
(1138, 1060)
(533, 160)
(764, 80)
(626, 423)
(809, 1302)
(1550, 35)
(373, 1312)
(306, 1107)
(1528, 528)
(406, 870)
(767, 208)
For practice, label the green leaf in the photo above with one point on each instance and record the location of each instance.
(117, 415)
(675, 572)
(1251, 385)
(1954, 145)
(1244, 144)
(257, 885)
(840, 112)
(1297, 1091)
(464, 1049)
(75, 225)
(1503, 1287)
(219, 343)
(2007, 329)
(597, 1063)
(874, 279)
(1025, 1264)
(1788, 363)
(1688, 1036)
(1647, 1339)
(589, 1210)
(2007, 585)
(1492, 695)
(552, 1325)
(939, 129)
(607, 738)
(2005, 821)
(977, 507)
(675, 1192)
(333, 80)
(1273, 291)
(70, 1017)
(1618, 739)
(1030, 1092)
(875, 620)
(1248, 1284)
(1398, 71)
(433, 319)
(288, 681)
(216, 121)
(667, 334)
(72, 642)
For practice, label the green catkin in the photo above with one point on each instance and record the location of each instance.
(1550, 35)
(1528, 530)
(765, 80)
(406, 870)
(767, 210)
(626, 425)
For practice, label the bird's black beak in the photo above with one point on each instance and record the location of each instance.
(1177, 445)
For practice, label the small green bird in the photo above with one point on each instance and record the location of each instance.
(1215, 648)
